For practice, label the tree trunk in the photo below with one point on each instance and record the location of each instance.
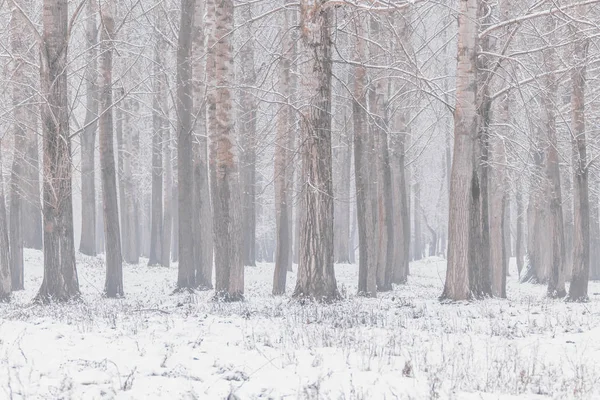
(417, 246)
(186, 278)
(248, 139)
(87, 243)
(60, 281)
(129, 231)
(316, 277)
(461, 182)
(113, 286)
(520, 248)
(556, 281)
(32, 208)
(5, 278)
(203, 245)
(118, 127)
(539, 235)
(224, 166)
(401, 235)
(578, 290)
(384, 204)
(498, 265)
(20, 97)
(158, 115)
(367, 265)
(167, 233)
(594, 223)
(282, 163)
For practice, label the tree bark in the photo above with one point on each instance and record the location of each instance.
(87, 243)
(367, 265)
(417, 246)
(520, 248)
(498, 265)
(225, 191)
(167, 233)
(20, 97)
(282, 163)
(5, 278)
(248, 138)
(113, 286)
(578, 290)
(457, 285)
(401, 234)
(316, 277)
(203, 245)
(129, 208)
(158, 113)
(60, 281)
(32, 208)
(186, 278)
(556, 281)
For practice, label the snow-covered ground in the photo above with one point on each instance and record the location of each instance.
(402, 345)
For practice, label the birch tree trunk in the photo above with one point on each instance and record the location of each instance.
(224, 166)
(113, 286)
(60, 281)
(87, 243)
(457, 285)
(186, 279)
(203, 244)
(316, 277)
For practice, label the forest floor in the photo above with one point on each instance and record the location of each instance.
(402, 345)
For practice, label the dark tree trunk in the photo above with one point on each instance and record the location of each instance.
(60, 281)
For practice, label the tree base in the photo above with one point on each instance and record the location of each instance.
(225, 297)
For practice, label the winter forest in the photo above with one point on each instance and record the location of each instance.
(299, 199)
